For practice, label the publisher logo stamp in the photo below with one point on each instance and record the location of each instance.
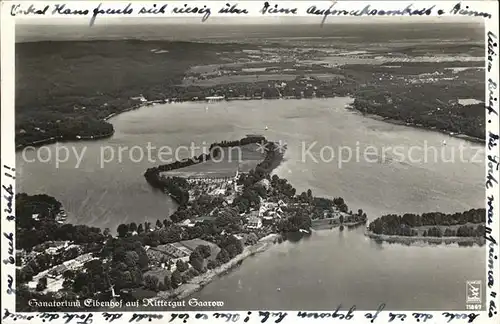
(473, 292)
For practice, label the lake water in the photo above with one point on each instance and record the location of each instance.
(330, 267)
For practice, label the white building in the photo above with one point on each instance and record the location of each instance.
(186, 223)
(214, 98)
(254, 223)
(140, 98)
(265, 183)
(281, 203)
(262, 210)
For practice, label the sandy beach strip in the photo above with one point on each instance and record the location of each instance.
(425, 239)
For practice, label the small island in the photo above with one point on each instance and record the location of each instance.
(464, 228)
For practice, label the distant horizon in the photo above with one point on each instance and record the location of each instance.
(174, 30)
(217, 33)
(280, 20)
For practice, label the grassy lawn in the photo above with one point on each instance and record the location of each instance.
(245, 157)
(159, 273)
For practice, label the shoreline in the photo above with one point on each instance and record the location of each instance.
(425, 239)
(197, 283)
(392, 121)
(464, 137)
(53, 140)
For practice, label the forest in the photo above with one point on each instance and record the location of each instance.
(469, 223)
(423, 94)
(65, 90)
(119, 261)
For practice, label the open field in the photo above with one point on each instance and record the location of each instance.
(158, 273)
(192, 244)
(244, 157)
(240, 79)
(64, 90)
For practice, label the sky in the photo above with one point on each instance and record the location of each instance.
(246, 20)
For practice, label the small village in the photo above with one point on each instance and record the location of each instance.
(261, 222)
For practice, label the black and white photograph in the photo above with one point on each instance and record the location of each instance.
(284, 163)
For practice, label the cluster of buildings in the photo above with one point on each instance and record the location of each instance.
(49, 247)
(193, 222)
(54, 275)
(211, 186)
(73, 264)
(214, 186)
(166, 256)
(60, 217)
(267, 214)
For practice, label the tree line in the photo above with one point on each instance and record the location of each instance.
(468, 223)
(31, 231)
